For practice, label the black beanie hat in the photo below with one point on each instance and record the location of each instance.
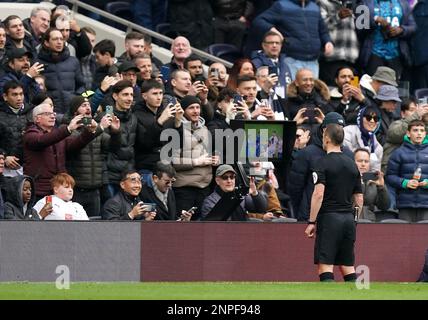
(75, 103)
(189, 100)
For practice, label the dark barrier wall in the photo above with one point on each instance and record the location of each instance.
(211, 251)
(271, 252)
(93, 251)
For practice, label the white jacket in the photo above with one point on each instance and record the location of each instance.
(354, 141)
(62, 210)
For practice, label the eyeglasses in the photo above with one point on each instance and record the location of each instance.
(228, 176)
(168, 182)
(370, 118)
(134, 180)
(47, 113)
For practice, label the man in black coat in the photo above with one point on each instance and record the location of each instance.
(14, 117)
(300, 183)
(126, 204)
(159, 190)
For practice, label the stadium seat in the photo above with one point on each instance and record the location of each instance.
(225, 51)
(421, 93)
(383, 215)
(165, 29)
(423, 221)
(120, 9)
(394, 221)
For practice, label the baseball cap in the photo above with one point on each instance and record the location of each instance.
(16, 53)
(386, 75)
(388, 93)
(221, 170)
(333, 118)
(128, 65)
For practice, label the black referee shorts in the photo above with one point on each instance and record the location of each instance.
(335, 238)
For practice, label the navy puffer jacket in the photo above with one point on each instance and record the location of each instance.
(63, 77)
(303, 27)
(401, 165)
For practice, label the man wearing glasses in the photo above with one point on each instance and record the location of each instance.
(159, 190)
(45, 146)
(126, 204)
(225, 185)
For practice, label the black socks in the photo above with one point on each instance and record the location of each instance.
(350, 277)
(326, 277)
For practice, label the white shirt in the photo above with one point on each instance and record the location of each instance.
(62, 210)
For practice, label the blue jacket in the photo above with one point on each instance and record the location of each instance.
(63, 77)
(300, 183)
(260, 59)
(420, 38)
(401, 166)
(303, 28)
(30, 86)
(366, 36)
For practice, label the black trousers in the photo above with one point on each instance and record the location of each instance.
(376, 61)
(89, 199)
(187, 197)
(229, 31)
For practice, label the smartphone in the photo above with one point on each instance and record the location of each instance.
(165, 73)
(237, 98)
(273, 70)
(150, 206)
(200, 78)
(310, 113)
(422, 101)
(370, 176)
(192, 209)
(347, 4)
(109, 110)
(355, 82)
(87, 121)
(214, 73)
(171, 100)
(48, 199)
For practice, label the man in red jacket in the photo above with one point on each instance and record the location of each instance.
(45, 146)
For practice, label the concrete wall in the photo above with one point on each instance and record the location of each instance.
(93, 251)
(211, 251)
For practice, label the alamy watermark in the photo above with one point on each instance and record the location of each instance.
(63, 280)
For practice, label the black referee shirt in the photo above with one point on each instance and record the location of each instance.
(341, 178)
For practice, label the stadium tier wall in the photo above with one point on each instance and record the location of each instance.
(212, 251)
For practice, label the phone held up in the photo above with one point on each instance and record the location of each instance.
(370, 176)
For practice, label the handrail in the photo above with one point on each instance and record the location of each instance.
(130, 25)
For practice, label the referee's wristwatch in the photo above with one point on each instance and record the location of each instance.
(312, 222)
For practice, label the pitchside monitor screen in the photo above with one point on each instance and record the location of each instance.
(265, 140)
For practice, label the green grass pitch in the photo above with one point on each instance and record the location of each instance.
(213, 291)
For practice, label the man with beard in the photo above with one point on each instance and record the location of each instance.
(18, 69)
(134, 45)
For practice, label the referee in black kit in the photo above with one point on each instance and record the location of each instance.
(338, 191)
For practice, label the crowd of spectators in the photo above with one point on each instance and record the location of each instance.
(83, 127)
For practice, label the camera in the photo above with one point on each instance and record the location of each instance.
(86, 121)
(310, 112)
